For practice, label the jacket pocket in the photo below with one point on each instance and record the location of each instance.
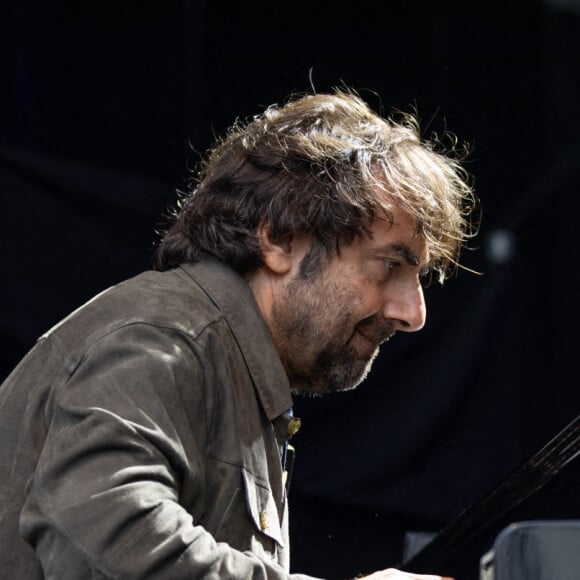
(262, 508)
(249, 520)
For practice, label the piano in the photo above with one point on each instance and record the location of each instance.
(546, 487)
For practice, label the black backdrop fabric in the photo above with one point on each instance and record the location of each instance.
(104, 110)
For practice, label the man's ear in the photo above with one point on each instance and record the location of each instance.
(281, 255)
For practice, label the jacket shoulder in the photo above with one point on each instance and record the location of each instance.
(164, 299)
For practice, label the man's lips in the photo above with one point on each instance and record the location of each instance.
(376, 341)
(376, 336)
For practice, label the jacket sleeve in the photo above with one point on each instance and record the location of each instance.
(107, 498)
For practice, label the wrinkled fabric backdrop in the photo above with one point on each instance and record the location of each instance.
(104, 110)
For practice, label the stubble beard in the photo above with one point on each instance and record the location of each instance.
(315, 335)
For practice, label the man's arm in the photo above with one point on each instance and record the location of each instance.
(106, 500)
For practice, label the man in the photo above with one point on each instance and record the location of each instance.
(145, 436)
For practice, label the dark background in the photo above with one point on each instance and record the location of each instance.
(104, 110)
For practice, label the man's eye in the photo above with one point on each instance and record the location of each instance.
(391, 264)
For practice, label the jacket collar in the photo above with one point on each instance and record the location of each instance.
(233, 296)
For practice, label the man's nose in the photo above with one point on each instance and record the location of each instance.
(405, 307)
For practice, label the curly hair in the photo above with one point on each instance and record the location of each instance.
(319, 164)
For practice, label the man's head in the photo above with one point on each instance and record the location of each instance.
(317, 165)
(328, 328)
(332, 214)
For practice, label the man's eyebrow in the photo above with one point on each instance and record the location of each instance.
(405, 252)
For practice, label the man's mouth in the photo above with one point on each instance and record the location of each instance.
(375, 332)
(376, 337)
(387, 337)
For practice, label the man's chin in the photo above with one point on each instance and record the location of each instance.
(338, 377)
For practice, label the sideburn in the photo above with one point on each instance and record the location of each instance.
(313, 262)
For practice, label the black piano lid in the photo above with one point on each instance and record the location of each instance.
(546, 486)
